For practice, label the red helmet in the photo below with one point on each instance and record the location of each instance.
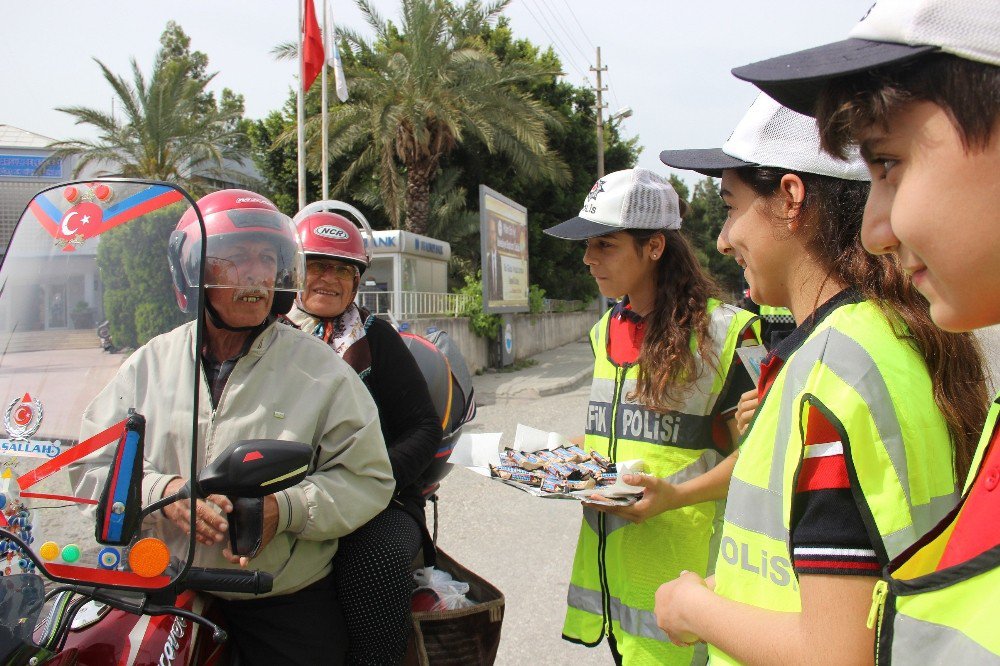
(331, 235)
(232, 215)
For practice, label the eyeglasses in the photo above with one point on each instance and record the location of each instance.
(318, 267)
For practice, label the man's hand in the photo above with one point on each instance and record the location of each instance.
(211, 525)
(270, 528)
(658, 495)
(746, 409)
(671, 600)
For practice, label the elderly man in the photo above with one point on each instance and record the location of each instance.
(258, 379)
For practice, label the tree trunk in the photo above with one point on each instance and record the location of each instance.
(418, 196)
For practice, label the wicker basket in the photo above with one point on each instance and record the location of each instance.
(461, 637)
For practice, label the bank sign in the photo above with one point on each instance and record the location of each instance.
(406, 242)
(26, 166)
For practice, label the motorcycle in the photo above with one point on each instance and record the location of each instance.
(77, 543)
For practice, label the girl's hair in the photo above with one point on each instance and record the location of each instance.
(667, 365)
(968, 91)
(833, 208)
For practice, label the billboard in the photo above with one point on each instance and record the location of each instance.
(503, 230)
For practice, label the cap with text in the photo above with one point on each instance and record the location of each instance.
(629, 199)
(893, 32)
(770, 135)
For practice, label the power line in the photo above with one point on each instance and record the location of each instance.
(555, 43)
(573, 14)
(611, 89)
(569, 36)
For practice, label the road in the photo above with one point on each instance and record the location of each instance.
(522, 544)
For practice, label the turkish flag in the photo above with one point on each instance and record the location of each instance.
(312, 47)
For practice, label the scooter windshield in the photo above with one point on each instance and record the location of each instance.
(99, 376)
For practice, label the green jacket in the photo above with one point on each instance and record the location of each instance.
(289, 386)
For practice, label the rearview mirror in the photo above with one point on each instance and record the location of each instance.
(255, 468)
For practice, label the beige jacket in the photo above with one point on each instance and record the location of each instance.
(289, 386)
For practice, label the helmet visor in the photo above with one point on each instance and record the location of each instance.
(250, 250)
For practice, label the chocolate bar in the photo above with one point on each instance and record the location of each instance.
(600, 460)
(525, 460)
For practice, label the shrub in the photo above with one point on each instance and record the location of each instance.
(139, 299)
(482, 324)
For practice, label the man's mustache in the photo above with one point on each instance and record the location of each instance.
(249, 292)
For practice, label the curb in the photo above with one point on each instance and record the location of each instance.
(549, 387)
(566, 384)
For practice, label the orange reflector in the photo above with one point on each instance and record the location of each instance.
(253, 455)
(149, 557)
(49, 550)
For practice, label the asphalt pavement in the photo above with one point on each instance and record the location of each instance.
(523, 544)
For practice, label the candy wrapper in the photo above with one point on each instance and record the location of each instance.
(547, 465)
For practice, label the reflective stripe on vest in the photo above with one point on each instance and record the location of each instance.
(918, 642)
(776, 315)
(677, 445)
(835, 369)
(759, 509)
(635, 621)
(947, 615)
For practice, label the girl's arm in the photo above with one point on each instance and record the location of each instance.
(660, 495)
(831, 629)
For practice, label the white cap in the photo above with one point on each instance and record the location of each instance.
(629, 199)
(770, 135)
(969, 29)
(893, 32)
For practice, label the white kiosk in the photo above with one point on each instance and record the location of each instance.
(408, 272)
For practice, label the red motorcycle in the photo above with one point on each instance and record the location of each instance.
(81, 580)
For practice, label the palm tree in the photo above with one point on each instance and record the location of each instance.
(166, 133)
(418, 90)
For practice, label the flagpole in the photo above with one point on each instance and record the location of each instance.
(300, 111)
(323, 113)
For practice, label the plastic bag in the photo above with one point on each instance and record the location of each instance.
(437, 590)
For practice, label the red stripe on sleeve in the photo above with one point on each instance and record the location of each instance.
(826, 473)
(819, 430)
(837, 564)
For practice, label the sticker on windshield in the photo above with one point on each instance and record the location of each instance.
(23, 417)
(30, 448)
(88, 210)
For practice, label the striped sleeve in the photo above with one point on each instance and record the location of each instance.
(828, 533)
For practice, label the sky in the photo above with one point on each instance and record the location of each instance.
(667, 60)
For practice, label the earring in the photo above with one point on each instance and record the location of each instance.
(655, 256)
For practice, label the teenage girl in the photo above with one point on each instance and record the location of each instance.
(867, 414)
(666, 383)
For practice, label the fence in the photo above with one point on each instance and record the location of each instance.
(432, 304)
(414, 303)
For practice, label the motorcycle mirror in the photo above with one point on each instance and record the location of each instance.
(255, 468)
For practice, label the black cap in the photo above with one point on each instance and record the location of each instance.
(580, 228)
(796, 80)
(706, 161)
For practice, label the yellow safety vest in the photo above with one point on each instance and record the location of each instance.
(619, 565)
(941, 617)
(875, 390)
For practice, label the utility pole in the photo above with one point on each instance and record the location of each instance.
(600, 114)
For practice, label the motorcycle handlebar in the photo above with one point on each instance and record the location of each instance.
(201, 579)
